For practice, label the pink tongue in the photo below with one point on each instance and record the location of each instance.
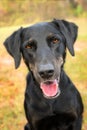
(50, 89)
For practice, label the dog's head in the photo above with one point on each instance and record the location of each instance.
(43, 47)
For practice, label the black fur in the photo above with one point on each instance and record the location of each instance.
(43, 47)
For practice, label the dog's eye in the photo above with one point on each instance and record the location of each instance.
(31, 45)
(28, 46)
(55, 41)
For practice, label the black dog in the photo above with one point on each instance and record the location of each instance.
(51, 100)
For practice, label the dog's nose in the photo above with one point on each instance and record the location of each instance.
(46, 74)
(46, 71)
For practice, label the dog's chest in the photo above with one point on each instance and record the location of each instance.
(53, 112)
(55, 122)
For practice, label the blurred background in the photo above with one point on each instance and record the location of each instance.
(17, 13)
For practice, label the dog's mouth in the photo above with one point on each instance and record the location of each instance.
(50, 88)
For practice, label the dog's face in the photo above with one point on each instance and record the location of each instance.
(43, 47)
(43, 50)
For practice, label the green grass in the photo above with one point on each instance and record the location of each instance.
(76, 66)
(12, 82)
(82, 38)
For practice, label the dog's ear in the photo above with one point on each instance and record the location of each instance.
(69, 31)
(12, 44)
